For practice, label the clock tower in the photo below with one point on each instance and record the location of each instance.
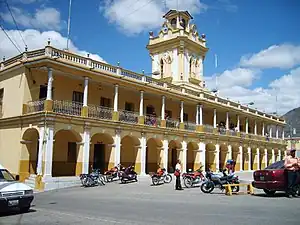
(178, 51)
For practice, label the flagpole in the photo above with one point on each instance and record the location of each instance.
(216, 65)
(69, 24)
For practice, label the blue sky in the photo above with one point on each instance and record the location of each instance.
(236, 29)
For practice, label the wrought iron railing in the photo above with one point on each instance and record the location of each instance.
(35, 106)
(152, 121)
(190, 126)
(128, 116)
(170, 123)
(100, 112)
(67, 107)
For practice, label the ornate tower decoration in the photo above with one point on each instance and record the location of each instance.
(178, 51)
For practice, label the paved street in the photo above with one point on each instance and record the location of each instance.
(142, 204)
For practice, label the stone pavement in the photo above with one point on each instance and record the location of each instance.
(142, 204)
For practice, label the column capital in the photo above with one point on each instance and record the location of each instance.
(49, 69)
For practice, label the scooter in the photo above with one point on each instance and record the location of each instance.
(216, 181)
(128, 175)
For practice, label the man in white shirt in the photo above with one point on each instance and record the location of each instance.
(177, 174)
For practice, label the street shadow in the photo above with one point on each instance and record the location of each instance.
(157, 185)
(129, 182)
(14, 212)
(276, 195)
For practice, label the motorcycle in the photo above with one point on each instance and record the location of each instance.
(192, 178)
(216, 181)
(95, 178)
(128, 175)
(161, 177)
(112, 173)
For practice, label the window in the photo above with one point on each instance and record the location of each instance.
(161, 67)
(168, 113)
(105, 102)
(129, 106)
(1, 100)
(185, 117)
(183, 23)
(6, 176)
(173, 22)
(77, 96)
(72, 152)
(276, 165)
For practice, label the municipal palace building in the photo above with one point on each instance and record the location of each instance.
(62, 114)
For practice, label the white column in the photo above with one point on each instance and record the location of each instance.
(163, 107)
(86, 150)
(48, 155)
(270, 131)
(266, 156)
(217, 155)
(197, 114)
(282, 133)
(238, 123)
(215, 118)
(255, 127)
(227, 120)
(85, 91)
(249, 158)
(241, 157)
(116, 97)
(181, 111)
(258, 158)
(143, 154)
(277, 132)
(184, 156)
(49, 85)
(263, 129)
(247, 125)
(117, 144)
(229, 151)
(142, 103)
(39, 167)
(202, 150)
(201, 115)
(279, 155)
(273, 156)
(166, 151)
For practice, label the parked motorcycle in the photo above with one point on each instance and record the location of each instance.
(95, 178)
(161, 177)
(128, 175)
(217, 181)
(192, 178)
(113, 173)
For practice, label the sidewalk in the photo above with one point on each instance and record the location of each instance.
(245, 176)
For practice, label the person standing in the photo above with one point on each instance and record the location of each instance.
(292, 166)
(177, 174)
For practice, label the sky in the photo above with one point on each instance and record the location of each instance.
(257, 45)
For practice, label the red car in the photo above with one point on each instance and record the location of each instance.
(273, 178)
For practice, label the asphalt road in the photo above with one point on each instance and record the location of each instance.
(141, 204)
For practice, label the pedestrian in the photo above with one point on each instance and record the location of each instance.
(292, 166)
(177, 174)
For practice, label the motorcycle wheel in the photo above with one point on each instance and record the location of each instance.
(188, 183)
(123, 181)
(155, 181)
(207, 187)
(88, 182)
(236, 188)
(101, 180)
(168, 179)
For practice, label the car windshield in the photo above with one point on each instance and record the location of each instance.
(6, 176)
(276, 165)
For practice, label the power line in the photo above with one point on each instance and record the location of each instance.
(137, 9)
(15, 22)
(10, 39)
(12, 36)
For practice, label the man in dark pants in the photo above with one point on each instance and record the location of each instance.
(177, 174)
(292, 166)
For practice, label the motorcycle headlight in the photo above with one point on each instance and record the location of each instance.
(28, 192)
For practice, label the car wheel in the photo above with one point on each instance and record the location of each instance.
(24, 209)
(269, 192)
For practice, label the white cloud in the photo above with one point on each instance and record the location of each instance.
(35, 40)
(284, 56)
(133, 17)
(285, 89)
(45, 18)
(27, 1)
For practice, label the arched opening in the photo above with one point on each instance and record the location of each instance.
(262, 160)
(254, 159)
(223, 156)
(29, 154)
(183, 23)
(161, 68)
(210, 157)
(175, 153)
(65, 154)
(130, 152)
(101, 155)
(193, 156)
(154, 155)
(235, 157)
(173, 23)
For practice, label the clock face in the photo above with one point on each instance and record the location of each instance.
(165, 28)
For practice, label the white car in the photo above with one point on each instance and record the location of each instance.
(13, 194)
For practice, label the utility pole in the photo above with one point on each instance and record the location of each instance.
(69, 24)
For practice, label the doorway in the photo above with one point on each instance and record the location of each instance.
(99, 157)
(174, 158)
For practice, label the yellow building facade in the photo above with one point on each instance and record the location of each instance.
(63, 114)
